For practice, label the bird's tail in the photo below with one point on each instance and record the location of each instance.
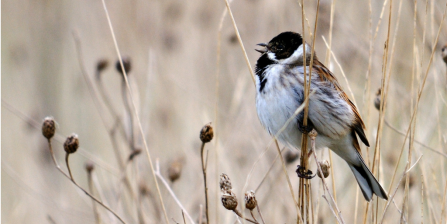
(366, 180)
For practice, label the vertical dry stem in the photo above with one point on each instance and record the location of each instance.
(204, 181)
(90, 187)
(327, 60)
(136, 113)
(303, 158)
(304, 192)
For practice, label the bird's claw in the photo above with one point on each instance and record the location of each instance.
(303, 173)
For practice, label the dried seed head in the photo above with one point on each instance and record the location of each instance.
(134, 153)
(48, 127)
(377, 99)
(250, 200)
(233, 39)
(175, 169)
(126, 64)
(71, 143)
(89, 166)
(325, 169)
(101, 65)
(444, 53)
(229, 200)
(207, 133)
(144, 190)
(291, 156)
(225, 183)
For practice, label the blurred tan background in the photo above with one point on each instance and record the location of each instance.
(176, 80)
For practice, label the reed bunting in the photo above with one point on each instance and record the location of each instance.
(280, 91)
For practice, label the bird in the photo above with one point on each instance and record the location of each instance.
(280, 91)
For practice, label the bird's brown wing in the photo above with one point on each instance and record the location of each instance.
(326, 75)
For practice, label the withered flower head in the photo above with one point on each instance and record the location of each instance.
(101, 65)
(126, 63)
(48, 127)
(89, 166)
(229, 200)
(225, 183)
(143, 188)
(291, 156)
(175, 169)
(377, 99)
(207, 133)
(325, 169)
(444, 53)
(250, 200)
(71, 143)
(134, 153)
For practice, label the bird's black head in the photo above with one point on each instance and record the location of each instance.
(283, 45)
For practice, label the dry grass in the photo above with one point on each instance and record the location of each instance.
(188, 70)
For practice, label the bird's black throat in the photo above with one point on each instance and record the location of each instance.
(261, 65)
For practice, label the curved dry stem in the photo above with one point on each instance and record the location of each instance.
(158, 174)
(252, 215)
(238, 213)
(419, 142)
(260, 214)
(68, 165)
(268, 171)
(82, 189)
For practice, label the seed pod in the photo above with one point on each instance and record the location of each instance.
(126, 63)
(377, 99)
(48, 127)
(134, 153)
(225, 183)
(89, 166)
(229, 200)
(325, 169)
(144, 189)
(101, 65)
(207, 133)
(291, 156)
(175, 170)
(444, 54)
(250, 200)
(71, 144)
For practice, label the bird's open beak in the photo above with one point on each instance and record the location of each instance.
(262, 51)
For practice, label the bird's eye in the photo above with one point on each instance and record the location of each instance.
(280, 47)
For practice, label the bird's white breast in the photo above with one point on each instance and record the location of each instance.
(276, 104)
